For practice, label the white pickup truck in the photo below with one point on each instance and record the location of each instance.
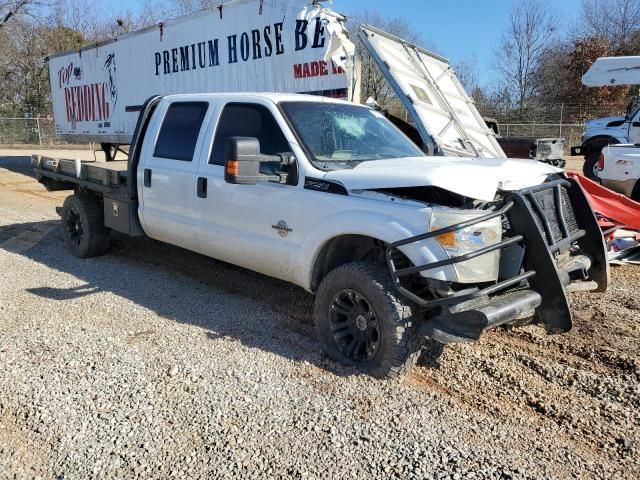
(602, 132)
(330, 196)
(618, 169)
(612, 145)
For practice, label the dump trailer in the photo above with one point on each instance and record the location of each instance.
(547, 150)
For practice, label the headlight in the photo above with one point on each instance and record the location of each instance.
(480, 269)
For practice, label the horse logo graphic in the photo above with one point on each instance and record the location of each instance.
(110, 69)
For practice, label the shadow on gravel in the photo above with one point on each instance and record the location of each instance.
(431, 352)
(136, 269)
(63, 293)
(129, 271)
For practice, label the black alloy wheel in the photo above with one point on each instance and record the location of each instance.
(361, 321)
(74, 226)
(354, 325)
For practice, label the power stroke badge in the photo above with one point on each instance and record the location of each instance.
(282, 228)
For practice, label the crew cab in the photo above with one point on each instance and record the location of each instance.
(395, 245)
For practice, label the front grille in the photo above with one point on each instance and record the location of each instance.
(546, 201)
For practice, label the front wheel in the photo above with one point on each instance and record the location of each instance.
(361, 321)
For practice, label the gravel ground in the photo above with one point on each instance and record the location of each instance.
(153, 362)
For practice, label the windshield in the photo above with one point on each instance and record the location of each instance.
(339, 136)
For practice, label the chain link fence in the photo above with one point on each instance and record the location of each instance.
(558, 120)
(29, 131)
(554, 120)
(571, 132)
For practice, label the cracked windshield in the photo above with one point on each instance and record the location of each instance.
(342, 136)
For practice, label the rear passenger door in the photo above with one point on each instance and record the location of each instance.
(167, 172)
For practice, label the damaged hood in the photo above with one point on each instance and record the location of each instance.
(477, 178)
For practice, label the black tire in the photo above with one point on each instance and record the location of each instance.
(590, 166)
(83, 226)
(635, 194)
(361, 321)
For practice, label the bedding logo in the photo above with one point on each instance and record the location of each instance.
(89, 102)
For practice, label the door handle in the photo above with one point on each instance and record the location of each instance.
(147, 177)
(202, 187)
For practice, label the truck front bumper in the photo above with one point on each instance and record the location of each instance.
(552, 245)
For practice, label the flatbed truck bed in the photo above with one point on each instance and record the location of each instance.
(112, 175)
(107, 179)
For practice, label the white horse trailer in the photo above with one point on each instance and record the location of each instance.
(286, 46)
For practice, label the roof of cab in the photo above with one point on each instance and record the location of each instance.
(273, 96)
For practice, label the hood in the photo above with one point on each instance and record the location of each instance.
(477, 178)
(604, 122)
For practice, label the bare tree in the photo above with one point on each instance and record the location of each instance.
(184, 7)
(24, 72)
(532, 27)
(467, 71)
(96, 23)
(373, 82)
(26, 41)
(15, 8)
(617, 21)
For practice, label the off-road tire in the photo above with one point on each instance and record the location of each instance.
(83, 226)
(399, 344)
(590, 163)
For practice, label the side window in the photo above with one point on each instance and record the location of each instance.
(245, 120)
(180, 129)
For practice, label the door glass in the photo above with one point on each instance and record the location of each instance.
(245, 120)
(180, 129)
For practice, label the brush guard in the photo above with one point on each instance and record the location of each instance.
(544, 221)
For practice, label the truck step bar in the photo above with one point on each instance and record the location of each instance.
(468, 325)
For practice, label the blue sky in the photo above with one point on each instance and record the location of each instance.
(459, 29)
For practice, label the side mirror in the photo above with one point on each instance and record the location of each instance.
(242, 161)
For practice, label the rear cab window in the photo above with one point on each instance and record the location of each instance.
(180, 130)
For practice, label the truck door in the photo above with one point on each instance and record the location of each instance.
(166, 175)
(253, 226)
(634, 127)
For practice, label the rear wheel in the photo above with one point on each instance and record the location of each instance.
(635, 195)
(360, 321)
(590, 167)
(83, 226)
